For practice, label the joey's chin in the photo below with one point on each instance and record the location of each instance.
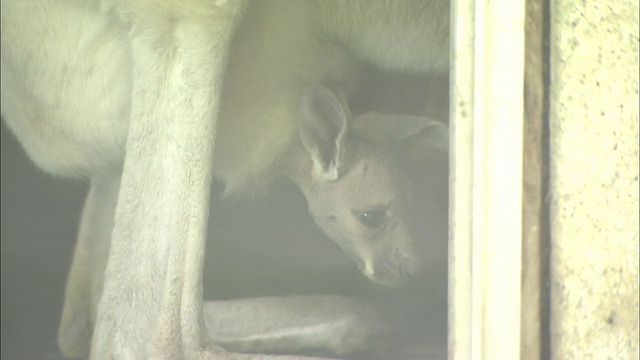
(395, 280)
(388, 278)
(391, 282)
(384, 273)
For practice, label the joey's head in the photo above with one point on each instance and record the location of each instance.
(354, 176)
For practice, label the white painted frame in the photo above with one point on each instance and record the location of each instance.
(485, 229)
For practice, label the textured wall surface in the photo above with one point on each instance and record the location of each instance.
(594, 179)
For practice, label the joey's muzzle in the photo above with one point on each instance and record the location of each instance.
(390, 269)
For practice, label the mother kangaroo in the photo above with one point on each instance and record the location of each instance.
(134, 95)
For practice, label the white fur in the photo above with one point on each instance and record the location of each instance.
(127, 93)
(297, 323)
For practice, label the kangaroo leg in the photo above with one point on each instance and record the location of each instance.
(151, 306)
(84, 284)
(334, 325)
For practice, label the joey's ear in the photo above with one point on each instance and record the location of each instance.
(422, 143)
(432, 135)
(385, 128)
(323, 123)
(426, 151)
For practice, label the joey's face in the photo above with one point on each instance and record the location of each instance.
(356, 191)
(364, 211)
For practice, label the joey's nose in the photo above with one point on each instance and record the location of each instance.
(411, 264)
(392, 269)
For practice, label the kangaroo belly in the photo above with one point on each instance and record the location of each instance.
(65, 85)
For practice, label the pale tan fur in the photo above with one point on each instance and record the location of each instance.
(296, 324)
(128, 93)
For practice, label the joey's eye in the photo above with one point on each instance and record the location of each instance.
(373, 219)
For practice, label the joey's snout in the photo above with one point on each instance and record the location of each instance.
(376, 238)
(391, 268)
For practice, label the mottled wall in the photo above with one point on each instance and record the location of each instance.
(594, 179)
